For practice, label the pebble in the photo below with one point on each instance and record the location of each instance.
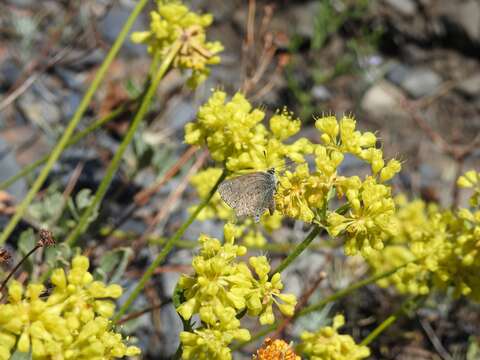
(405, 7)
(470, 86)
(113, 22)
(421, 82)
(321, 93)
(382, 100)
(10, 167)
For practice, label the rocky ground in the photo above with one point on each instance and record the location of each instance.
(407, 69)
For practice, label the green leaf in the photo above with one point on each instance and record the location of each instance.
(115, 261)
(178, 297)
(59, 254)
(132, 89)
(26, 242)
(83, 199)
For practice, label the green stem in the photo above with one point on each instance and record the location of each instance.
(380, 328)
(74, 140)
(348, 290)
(407, 305)
(62, 143)
(115, 163)
(166, 249)
(298, 250)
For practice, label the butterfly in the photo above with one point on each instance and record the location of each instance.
(250, 194)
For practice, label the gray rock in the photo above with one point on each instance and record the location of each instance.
(303, 16)
(467, 15)
(172, 326)
(70, 103)
(39, 110)
(220, 9)
(9, 167)
(321, 93)
(305, 268)
(405, 7)
(113, 22)
(179, 112)
(78, 60)
(72, 79)
(470, 87)
(170, 279)
(397, 73)
(382, 100)
(421, 82)
(22, 3)
(462, 14)
(9, 73)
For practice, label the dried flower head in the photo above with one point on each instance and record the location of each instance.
(46, 238)
(4, 255)
(275, 350)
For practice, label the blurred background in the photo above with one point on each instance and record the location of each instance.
(408, 70)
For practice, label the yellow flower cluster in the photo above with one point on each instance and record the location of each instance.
(274, 350)
(367, 212)
(370, 216)
(70, 323)
(221, 288)
(173, 22)
(328, 344)
(442, 245)
(234, 134)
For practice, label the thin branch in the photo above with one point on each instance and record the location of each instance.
(437, 344)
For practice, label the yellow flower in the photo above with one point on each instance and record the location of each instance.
(220, 289)
(370, 217)
(300, 192)
(173, 22)
(266, 292)
(444, 245)
(471, 179)
(234, 134)
(71, 323)
(210, 344)
(327, 344)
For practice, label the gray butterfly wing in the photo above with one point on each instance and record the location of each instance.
(249, 195)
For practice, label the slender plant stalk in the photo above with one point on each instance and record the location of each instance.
(14, 270)
(349, 289)
(166, 249)
(74, 140)
(115, 163)
(321, 304)
(298, 250)
(409, 304)
(62, 143)
(380, 328)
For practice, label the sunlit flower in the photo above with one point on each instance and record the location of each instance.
(71, 323)
(220, 289)
(173, 22)
(328, 344)
(442, 247)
